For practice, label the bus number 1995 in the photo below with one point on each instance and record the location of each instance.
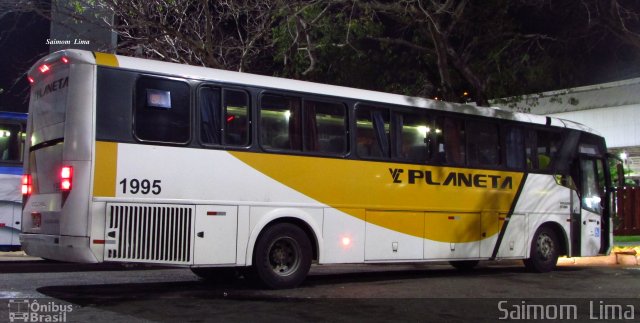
(144, 186)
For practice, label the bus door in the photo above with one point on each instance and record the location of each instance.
(592, 204)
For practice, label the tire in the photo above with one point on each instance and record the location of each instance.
(544, 251)
(464, 265)
(282, 256)
(216, 274)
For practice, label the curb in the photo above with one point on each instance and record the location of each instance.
(620, 256)
(16, 256)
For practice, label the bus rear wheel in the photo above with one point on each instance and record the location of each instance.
(282, 256)
(544, 251)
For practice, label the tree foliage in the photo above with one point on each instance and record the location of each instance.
(431, 48)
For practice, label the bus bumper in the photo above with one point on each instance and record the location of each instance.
(61, 248)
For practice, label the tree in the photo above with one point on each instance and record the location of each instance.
(222, 34)
(443, 48)
(459, 45)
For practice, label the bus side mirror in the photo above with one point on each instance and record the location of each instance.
(620, 168)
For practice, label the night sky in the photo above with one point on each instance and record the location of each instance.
(22, 42)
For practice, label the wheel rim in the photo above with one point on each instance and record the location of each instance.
(284, 256)
(545, 246)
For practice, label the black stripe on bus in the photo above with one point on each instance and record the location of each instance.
(508, 218)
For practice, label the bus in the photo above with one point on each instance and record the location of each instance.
(139, 161)
(12, 134)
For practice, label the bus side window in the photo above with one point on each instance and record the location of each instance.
(236, 118)
(530, 143)
(541, 148)
(280, 123)
(483, 143)
(451, 141)
(209, 106)
(548, 145)
(372, 132)
(514, 145)
(325, 127)
(411, 132)
(162, 111)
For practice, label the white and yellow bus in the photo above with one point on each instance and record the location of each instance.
(135, 160)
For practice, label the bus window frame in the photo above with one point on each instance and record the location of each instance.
(134, 110)
(198, 116)
(474, 163)
(303, 137)
(379, 106)
(396, 138)
(534, 148)
(504, 131)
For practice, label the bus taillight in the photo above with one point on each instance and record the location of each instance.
(66, 175)
(64, 59)
(27, 186)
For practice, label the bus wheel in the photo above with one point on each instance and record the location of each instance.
(282, 256)
(464, 265)
(544, 251)
(216, 274)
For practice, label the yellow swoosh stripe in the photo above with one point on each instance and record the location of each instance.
(106, 161)
(451, 213)
(106, 59)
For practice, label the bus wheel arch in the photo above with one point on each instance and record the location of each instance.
(303, 225)
(548, 242)
(283, 253)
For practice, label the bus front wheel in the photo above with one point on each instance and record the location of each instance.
(282, 256)
(544, 251)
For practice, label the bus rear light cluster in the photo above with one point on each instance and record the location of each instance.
(45, 68)
(27, 185)
(66, 177)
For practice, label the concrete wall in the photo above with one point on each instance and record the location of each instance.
(619, 125)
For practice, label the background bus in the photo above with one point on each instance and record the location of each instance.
(134, 160)
(12, 135)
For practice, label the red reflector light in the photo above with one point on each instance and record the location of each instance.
(66, 175)
(44, 68)
(31, 80)
(64, 59)
(27, 187)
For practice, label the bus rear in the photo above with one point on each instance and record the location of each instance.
(55, 221)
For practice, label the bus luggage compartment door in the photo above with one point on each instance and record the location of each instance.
(216, 228)
(394, 235)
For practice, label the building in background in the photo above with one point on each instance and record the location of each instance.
(613, 109)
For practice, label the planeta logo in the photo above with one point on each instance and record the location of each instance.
(54, 86)
(418, 176)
